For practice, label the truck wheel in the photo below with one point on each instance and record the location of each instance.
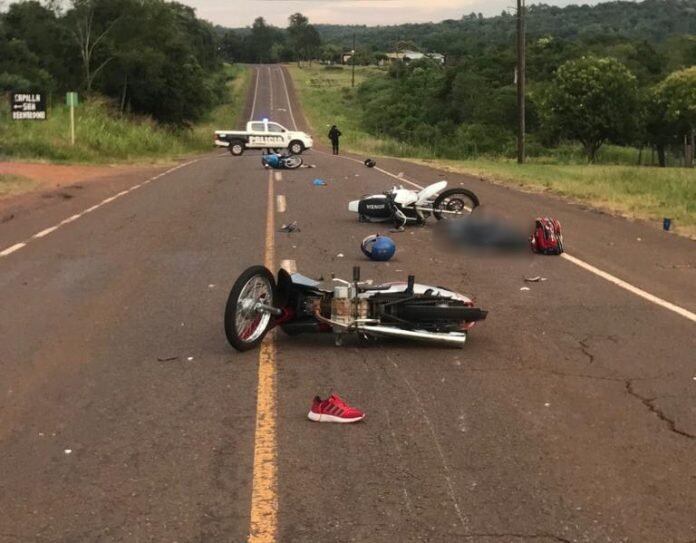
(296, 147)
(236, 147)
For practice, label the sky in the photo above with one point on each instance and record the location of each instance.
(239, 13)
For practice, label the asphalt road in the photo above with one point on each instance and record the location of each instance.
(124, 415)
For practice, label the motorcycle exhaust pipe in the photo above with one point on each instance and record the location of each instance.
(387, 331)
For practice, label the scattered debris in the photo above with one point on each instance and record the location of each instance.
(319, 182)
(68, 451)
(339, 255)
(535, 279)
(525, 288)
(211, 285)
(370, 163)
(308, 166)
(547, 404)
(639, 239)
(291, 227)
(666, 224)
(189, 358)
(167, 358)
(397, 229)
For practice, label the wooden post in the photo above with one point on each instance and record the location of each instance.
(520, 82)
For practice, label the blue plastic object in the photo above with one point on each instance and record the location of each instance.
(379, 248)
(319, 182)
(272, 160)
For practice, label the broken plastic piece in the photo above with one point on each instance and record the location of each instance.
(291, 227)
(535, 279)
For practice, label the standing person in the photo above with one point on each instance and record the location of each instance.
(334, 134)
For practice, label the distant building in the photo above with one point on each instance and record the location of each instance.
(408, 56)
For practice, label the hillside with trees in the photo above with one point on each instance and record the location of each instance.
(149, 57)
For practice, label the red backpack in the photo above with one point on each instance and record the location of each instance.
(547, 238)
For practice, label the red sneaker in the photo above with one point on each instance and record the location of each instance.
(333, 409)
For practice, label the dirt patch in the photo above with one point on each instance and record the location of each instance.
(60, 175)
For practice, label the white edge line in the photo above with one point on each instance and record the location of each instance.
(287, 96)
(10, 250)
(46, 231)
(627, 286)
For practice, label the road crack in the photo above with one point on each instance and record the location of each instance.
(650, 404)
(585, 348)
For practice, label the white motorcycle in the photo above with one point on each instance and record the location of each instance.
(297, 304)
(405, 206)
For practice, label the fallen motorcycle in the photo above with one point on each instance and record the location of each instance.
(405, 206)
(281, 162)
(299, 304)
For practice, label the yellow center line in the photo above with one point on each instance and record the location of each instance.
(264, 493)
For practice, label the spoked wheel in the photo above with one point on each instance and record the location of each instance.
(454, 204)
(246, 322)
(293, 162)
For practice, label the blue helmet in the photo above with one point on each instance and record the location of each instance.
(380, 248)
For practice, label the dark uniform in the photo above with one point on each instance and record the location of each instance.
(334, 134)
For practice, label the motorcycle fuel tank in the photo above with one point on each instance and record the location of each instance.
(375, 207)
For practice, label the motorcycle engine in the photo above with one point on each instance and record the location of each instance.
(345, 308)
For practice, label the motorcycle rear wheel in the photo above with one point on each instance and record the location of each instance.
(245, 326)
(454, 204)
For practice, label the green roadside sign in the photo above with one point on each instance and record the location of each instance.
(71, 99)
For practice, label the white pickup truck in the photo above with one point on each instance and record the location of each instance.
(263, 135)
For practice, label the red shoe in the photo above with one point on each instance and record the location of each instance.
(333, 409)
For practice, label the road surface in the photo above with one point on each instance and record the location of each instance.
(125, 416)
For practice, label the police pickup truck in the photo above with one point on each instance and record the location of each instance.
(263, 135)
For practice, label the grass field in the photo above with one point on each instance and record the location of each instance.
(102, 136)
(636, 191)
(13, 184)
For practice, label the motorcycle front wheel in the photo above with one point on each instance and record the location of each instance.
(293, 162)
(454, 204)
(245, 324)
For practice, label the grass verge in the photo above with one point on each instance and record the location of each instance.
(15, 184)
(634, 191)
(104, 136)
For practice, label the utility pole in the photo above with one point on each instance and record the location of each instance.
(521, 68)
(352, 58)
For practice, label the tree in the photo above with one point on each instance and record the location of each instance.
(304, 38)
(260, 40)
(677, 94)
(88, 37)
(593, 100)
(231, 46)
